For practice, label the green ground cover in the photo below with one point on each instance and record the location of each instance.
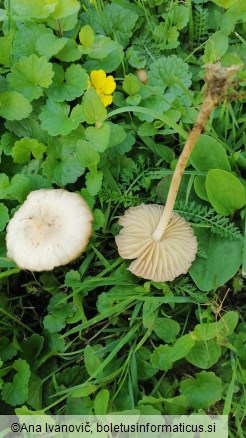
(98, 97)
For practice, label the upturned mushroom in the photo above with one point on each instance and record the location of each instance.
(50, 229)
(162, 242)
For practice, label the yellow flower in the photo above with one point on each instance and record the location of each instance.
(104, 85)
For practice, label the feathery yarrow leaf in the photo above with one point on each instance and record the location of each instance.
(207, 216)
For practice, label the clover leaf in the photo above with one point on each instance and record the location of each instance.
(203, 390)
(56, 120)
(69, 84)
(14, 106)
(16, 392)
(23, 149)
(30, 75)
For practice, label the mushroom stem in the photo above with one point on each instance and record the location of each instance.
(217, 80)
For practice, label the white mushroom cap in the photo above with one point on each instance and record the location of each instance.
(161, 260)
(50, 229)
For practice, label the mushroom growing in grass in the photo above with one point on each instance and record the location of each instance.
(162, 242)
(50, 229)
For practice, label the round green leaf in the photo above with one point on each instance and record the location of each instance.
(200, 187)
(204, 355)
(93, 108)
(225, 191)
(203, 390)
(30, 75)
(224, 258)
(14, 106)
(209, 154)
(166, 329)
(23, 149)
(68, 85)
(57, 119)
(170, 72)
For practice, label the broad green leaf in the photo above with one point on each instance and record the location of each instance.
(7, 141)
(224, 3)
(34, 38)
(87, 155)
(14, 106)
(26, 37)
(209, 154)
(4, 186)
(109, 63)
(71, 52)
(150, 312)
(91, 360)
(31, 348)
(35, 392)
(225, 191)
(53, 324)
(181, 347)
(93, 108)
(7, 349)
(4, 218)
(69, 84)
(65, 23)
(200, 187)
(59, 307)
(203, 390)
(216, 46)
(166, 329)
(49, 45)
(117, 134)
(20, 187)
(224, 327)
(99, 219)
(24, 148)
(99, 136)
(204, 355)
(5, 49)
(121, 22)
(62, 165)
(131, 84)
(101, 47)
(94, 182)
(65, 8)
(101, 402)
(224, 258)
(16, 392)
(179, 15)
(86, 36)
(30, 75)
(55, 117)
(170, 72)
(161, 359)
(34, 9)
